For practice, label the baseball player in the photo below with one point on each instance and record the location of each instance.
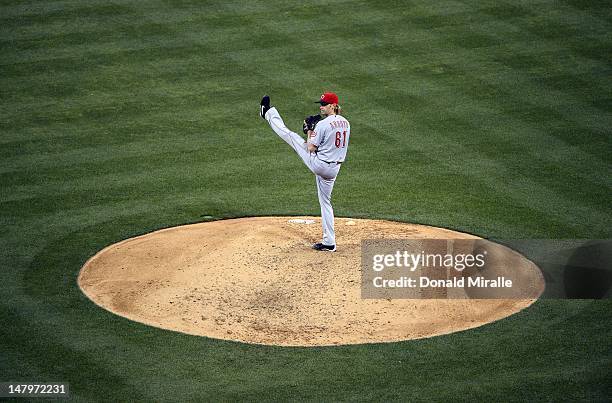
(323, 152)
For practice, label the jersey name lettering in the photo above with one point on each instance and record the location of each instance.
(339, 124)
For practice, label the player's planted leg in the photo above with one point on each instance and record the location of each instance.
(324, 190)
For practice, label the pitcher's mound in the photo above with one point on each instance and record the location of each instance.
(256, 280)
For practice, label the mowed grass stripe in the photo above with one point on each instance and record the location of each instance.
(468, 56)
(203, 18)
(44, 217)
(169, 75)
(136, 34)
(54, 223)
(151, 172)
(468, 106)
(447, 72)
(124, 71)
(83, 59)
(247, 17)
(132, 146)
(463, 56)
(46, 20)
(80, 366)
(452, 200)
(63, 42)
(172, 94)
(495, 107)
(202, 122)
(443, 146)
(163, 193)
(21, 8)
(150, 96)
(135, 24)
(461, 199)
(86, 53)
(202, 163)
(44, 12)
(517, 151)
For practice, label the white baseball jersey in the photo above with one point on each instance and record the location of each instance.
(331, 136)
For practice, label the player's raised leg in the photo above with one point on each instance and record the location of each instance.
(295, 141)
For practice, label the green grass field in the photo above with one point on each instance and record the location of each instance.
(119, 118)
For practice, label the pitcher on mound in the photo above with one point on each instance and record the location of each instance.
(323, 153)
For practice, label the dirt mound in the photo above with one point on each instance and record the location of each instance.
(256, 280)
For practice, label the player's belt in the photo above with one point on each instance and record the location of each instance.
(333, 162)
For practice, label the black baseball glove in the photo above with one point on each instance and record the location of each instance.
(310, 122)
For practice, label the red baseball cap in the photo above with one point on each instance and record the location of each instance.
(328, 98)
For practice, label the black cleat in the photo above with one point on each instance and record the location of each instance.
(324, 248)
(264, 106)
